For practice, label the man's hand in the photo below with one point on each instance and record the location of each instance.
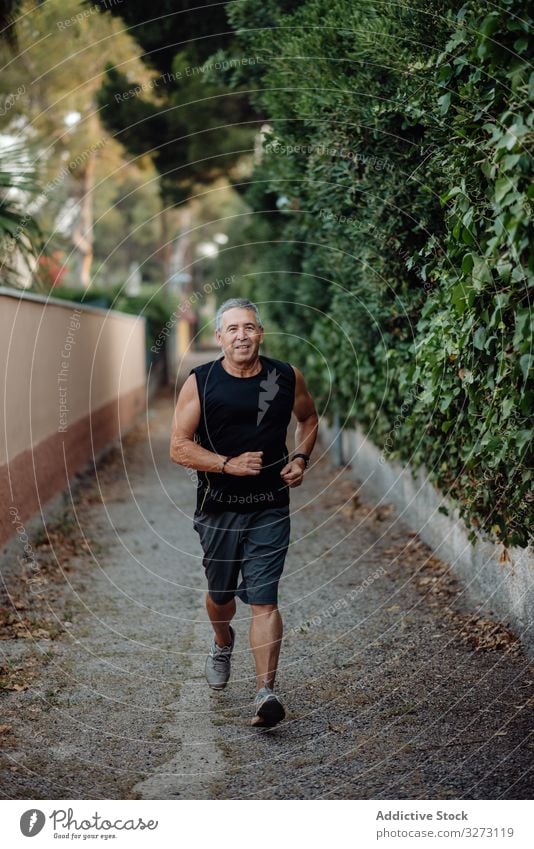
(293, 472)
(245, 464)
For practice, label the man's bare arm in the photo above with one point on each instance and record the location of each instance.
(305, 434)
(306, 415)
(186, 452)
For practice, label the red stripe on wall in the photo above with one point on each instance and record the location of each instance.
(37, 474)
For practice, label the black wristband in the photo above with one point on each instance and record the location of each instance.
(305, 457)
(224, 464)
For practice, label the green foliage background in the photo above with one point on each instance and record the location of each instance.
(192, 126)
(395, 186)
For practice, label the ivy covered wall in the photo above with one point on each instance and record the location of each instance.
(395, 183)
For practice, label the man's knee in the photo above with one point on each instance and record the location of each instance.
(262, 609)
(220, 599)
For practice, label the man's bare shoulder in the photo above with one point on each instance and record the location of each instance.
(189, 389)
(299, 377)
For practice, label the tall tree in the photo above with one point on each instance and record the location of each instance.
(194, 128)
(48, 89)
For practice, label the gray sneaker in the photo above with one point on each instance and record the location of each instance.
(217, 669)
(269, 708)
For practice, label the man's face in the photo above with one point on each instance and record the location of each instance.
(240, 336)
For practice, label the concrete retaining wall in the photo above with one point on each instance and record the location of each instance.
(497, 581)
(73, 378)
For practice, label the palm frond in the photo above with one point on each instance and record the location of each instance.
(20, 234)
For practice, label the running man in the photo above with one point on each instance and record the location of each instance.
(230, 424)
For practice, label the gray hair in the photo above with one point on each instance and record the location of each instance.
(244, 303)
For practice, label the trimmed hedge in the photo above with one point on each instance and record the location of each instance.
(395, 184)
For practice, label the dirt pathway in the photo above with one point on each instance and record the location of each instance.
(392, 690)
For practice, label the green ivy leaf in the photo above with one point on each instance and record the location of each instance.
(524, 364)
(502, 187)
(444, 103)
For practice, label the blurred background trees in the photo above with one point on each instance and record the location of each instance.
(48, 89)
(120, 132)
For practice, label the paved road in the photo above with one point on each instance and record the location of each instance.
(386, 696)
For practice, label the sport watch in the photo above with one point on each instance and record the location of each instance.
(305, 457)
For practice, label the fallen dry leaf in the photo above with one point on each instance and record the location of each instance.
(41, 633)
(339, 729)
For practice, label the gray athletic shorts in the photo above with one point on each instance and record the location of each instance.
(254, 544)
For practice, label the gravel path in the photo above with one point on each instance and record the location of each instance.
(392, 689)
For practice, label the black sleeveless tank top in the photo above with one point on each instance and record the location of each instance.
(239, 414)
